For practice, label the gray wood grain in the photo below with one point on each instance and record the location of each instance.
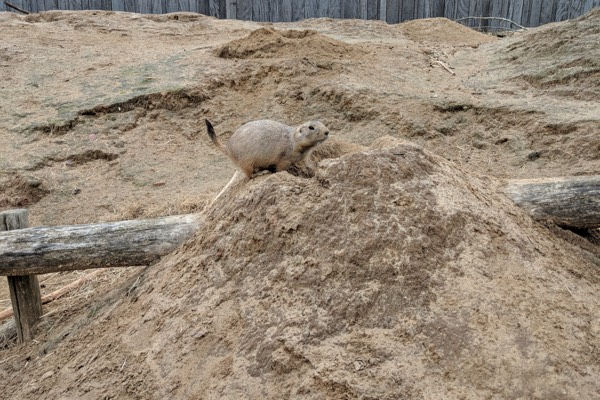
(131, 6)
(575, 8)
(99, 5)
(351, 9)
(372, 9)
(472, 12)
(192, 6)
(297, 10)
(589, 5)
(567, 201)
(203, 6)
(24, 289)
(156, 6)
(29, 5)
(244, 10)
(363, 7)
(64, 248)
(285, 11)
(173, 6)
(75, 5)
(534, 17)
(516, 10)
(450, 9)
(462, 9)
(392, 11)
(214, 8)
(408, 10)
(486, 7)
(547, 11)
(383, 10)
(437, 8)
(335, 8)
(525, 13)
(275, 11)
(501, 12)
(562, 10)
(230, 9)
(14, 219)
(260, 10)
(145, 7)
(495, 8)
(323, 8)
(310, 8)
(117, 5)
(27, 305)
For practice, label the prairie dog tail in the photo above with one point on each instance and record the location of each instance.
(213, 136)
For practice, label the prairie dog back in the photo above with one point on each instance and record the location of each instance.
(260, 143)
(270, 145)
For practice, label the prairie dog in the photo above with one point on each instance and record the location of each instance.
(269, 145)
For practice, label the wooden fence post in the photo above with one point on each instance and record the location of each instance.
(24, 290)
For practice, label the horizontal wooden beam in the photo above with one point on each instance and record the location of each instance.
(116, 244)
(568, 201)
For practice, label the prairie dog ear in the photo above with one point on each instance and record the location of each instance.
(301, 132)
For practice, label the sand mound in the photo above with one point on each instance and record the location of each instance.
(443, 31)
(389, 275)
(266, 42)
(563, 58)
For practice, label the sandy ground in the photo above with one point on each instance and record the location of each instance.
(103, 121)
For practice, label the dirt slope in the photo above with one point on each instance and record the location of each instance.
(392, 274)
(396, 272)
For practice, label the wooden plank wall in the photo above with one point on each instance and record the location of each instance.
(524, 12)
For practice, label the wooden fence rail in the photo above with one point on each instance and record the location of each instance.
(25, 252)
(44, 250)
(523, 12)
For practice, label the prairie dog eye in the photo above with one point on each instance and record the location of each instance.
(312, 128)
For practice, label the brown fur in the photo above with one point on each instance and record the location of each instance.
(270, 145)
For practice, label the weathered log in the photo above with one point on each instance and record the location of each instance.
(116, 244)
(569, 201)
(24, 289)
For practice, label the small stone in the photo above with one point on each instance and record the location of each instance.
(534, 155)
(358, 365)
(200, 334)
(33, 182)
(47, 375)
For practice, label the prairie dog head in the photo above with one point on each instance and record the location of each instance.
(310, 133)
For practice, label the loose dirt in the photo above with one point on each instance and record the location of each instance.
(397, 271)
